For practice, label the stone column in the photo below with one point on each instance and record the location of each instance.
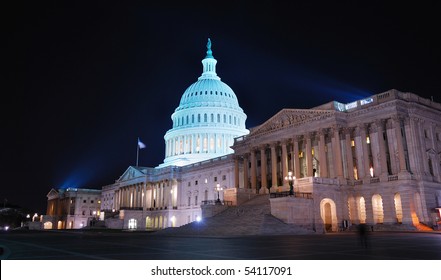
(296, 156)
(263, 167)
(284, 163)
(308, 155)
(396, 123)
(236, 172)
(116, 200)
(245, 171)
(375, 149)
(349, 159)
(253, 169)
(382, 146)
(322, 154)
(273, 166)
(337, 151)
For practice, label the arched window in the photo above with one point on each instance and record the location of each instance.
(377, 208)
(398, 208)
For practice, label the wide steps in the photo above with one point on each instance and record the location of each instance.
(251, 218)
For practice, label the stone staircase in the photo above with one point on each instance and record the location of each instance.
(250, 218)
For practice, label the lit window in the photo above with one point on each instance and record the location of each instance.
(352, 143)
(368, 140)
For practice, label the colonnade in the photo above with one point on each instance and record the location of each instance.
(145, 196)
(361, 152)
(199, 143)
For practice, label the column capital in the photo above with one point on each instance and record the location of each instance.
(336, 128)
(380, 123)
(310, 135)
(347, 130)
(263, 146)
(322, 131)
(273, 144)
(297, 138)
(254, 149)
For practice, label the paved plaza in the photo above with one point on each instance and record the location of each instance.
(123, 245)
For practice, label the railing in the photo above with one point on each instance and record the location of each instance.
(375, 180)
(296, 194)
(392, 177)
(217, 202)
(130, 208)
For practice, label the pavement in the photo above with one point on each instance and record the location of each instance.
(141, 245)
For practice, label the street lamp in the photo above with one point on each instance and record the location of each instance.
(218, 189)
(290, 180)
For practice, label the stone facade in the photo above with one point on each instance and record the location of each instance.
(157, 198)
(72, 208)
(375, 160)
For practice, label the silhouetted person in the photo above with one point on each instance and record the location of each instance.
(363, 234)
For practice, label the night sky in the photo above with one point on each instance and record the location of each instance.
(84, 79)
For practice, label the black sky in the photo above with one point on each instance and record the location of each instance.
(84, 79)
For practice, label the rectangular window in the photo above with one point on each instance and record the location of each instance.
(215, 179)
(189, 184)
(196, 182)
(224, 177)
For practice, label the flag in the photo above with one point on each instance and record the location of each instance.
(140, 144)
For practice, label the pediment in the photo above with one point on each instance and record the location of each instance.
(131, 173)
(290, 118)
(53, 193)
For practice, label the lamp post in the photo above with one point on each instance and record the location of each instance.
(290, 180)
(218, 189)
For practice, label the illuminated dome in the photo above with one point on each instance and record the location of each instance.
(206, 121)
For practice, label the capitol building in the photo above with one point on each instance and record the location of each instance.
(373, 161)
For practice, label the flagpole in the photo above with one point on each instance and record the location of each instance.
(137, 153)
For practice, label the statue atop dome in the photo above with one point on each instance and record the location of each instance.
(209, 52)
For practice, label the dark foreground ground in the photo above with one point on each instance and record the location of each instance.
(119, 245)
